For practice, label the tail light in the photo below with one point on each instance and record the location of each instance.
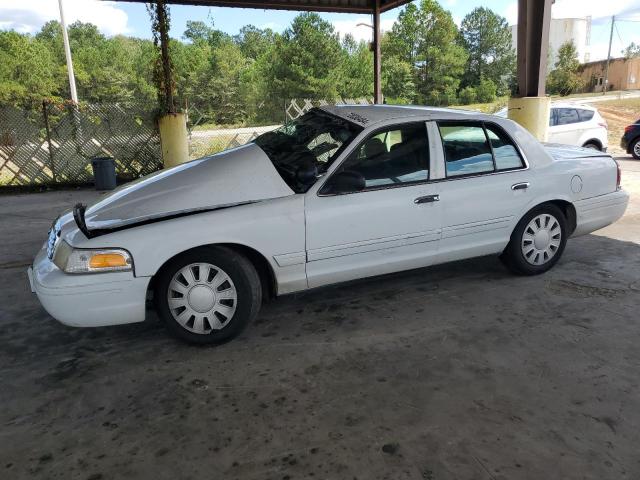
(628, 128)
(619, 176)
(603, 125)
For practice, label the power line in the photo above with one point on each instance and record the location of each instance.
(618, 32)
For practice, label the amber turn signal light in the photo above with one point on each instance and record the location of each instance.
(107, 260)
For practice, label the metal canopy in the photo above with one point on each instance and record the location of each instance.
(340, 6)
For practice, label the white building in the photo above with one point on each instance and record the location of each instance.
(563, 30)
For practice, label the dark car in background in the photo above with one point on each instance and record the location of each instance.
(631, 139)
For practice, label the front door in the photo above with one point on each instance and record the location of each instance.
(376, 214)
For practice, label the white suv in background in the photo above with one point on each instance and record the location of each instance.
(575, 124)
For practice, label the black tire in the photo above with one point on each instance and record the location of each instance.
(245, 281)
(593, 146)
(513, 256)
(633, 149)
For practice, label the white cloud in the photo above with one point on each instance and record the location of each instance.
(596, 9)
(599, 10)
(511, 13)
(28, 16)
(361, 32)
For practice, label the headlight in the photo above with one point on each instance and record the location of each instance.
(71, 260)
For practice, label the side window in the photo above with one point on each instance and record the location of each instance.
(504, 151)
(567, 116)
(553, 117)
(392, 157)
(585, 115)
(466, 149)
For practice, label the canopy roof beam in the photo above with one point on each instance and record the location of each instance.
(336, 6)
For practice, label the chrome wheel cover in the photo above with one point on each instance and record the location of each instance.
(541, 239)
(202, 298)
(636, 148)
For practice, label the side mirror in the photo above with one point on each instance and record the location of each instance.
(346, 181)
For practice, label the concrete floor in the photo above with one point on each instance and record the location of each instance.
(461, 371)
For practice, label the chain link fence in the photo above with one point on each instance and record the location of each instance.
(208, 138)
(54, 144)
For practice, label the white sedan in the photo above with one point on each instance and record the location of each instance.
(341, 193)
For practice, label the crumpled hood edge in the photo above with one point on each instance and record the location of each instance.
(79, 210)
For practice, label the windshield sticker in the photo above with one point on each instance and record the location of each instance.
(357, 118)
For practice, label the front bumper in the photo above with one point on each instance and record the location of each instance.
(88, 300)
(624, 144)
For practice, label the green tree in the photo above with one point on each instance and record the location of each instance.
(26, 70)
(254, 41)
(425, 37)
(305, 60)
(632, 51)
(486, 91)
(198, 31)
(356, 70)
(467, 95)
(564, 78)
(398, 80)
(487, 37)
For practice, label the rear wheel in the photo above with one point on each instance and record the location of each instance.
(592, 146)
(537, 242)
(208, 295)
(635, 148)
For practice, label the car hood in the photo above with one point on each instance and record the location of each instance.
(238, 176)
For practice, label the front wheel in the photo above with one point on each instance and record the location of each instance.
(208, 295)
(537, 242)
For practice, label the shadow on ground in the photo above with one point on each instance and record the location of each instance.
(457, 371)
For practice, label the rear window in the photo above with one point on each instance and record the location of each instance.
(473, 148)
(585, 115)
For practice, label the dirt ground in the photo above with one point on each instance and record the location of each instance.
(618, 114)
(461, 371)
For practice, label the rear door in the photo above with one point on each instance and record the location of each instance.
(376, 213)
(487, 183)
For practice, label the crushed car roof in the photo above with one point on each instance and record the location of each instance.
(366, 115)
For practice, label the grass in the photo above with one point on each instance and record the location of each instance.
(491, 107)
(208, 147)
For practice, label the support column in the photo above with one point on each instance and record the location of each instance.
(377, 85)
(174, 139)
(530, 106)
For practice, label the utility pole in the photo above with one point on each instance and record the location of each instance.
(605, 87)
(377, 84)
(67, 53)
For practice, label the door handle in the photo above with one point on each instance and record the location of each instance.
(520, 186)
(427, 199)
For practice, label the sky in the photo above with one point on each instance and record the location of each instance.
(114, 18)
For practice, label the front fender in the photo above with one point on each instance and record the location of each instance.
(274, 228)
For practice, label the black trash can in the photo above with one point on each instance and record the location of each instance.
(104, 172)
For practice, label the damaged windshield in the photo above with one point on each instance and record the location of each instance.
(304, 148)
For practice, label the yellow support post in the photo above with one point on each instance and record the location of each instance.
(532, 113)
(174, 139)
